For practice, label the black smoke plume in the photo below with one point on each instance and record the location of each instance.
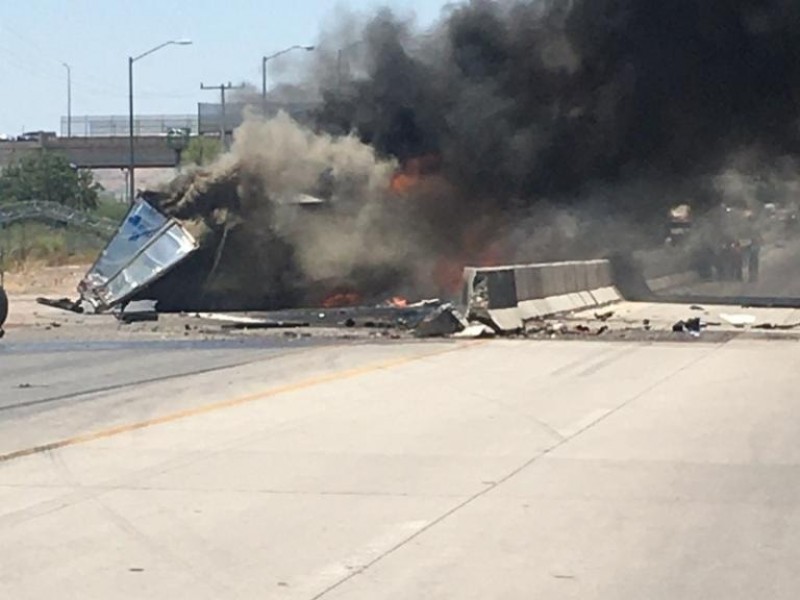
(523, 101)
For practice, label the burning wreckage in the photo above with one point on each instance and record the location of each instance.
(224, 239)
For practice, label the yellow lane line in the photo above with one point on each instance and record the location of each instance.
(231, 402)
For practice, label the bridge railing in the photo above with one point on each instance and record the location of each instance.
(39, 210)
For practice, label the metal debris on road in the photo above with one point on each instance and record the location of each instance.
(137, 312)
(443, 321)
(62, 303)
(266, 325)
(692, 326)
(773, 326)
(475, 331)
(738, 320)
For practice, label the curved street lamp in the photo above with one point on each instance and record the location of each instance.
(266, 59)
(131, 60)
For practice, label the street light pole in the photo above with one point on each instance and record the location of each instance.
(69, 99)
(131, 185)
(131, 157)
(340, 61)
(265, 60)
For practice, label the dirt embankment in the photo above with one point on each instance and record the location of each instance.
(38, 279)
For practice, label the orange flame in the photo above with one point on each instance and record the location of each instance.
(412, 173)
(341, 299)
(397, 302)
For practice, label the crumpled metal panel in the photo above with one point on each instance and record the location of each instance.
(146, 246)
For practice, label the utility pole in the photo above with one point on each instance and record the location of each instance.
(223, 134)
(69, 99)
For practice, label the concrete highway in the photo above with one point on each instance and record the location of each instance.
(269, 468)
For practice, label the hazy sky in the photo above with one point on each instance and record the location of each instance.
(96, 36)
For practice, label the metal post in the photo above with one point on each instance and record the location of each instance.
(264, 85)
(131, 184)
(69, 99)
(131, 158)
(339, 71)
(223, 134)
(340, 62)
(224, 118)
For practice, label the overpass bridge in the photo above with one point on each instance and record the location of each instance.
(97, 152)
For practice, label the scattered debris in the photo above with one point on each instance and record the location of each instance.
(62, 303)
(430, 302)
(688, 326)
(647, 326)
(378, 324)
(137, 312)
(475, 331)
(445, 320)
(25, 386)
(696, 307)
(773, 326)
(534, 326)
(602, 330)
(738, 320)
(583, 329)
(265, 324)
(605, 316)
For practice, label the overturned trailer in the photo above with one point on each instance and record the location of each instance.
(198, 249)
(147, 245)
(288, 218)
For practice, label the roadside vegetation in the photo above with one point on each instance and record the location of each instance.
(201, 151)
(49, 177)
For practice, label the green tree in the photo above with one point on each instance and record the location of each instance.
(201, 151)
(49, 176)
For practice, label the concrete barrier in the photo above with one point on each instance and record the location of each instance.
(642, 275)
(664, 268)
(511, 295)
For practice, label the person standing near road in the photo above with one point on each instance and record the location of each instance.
(753, 258)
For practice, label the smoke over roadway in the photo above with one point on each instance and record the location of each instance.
(524, 100)
(537, 130)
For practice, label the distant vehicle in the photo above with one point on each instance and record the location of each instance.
(3, 308)
(36, 136)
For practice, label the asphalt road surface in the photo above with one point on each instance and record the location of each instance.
(340, 469)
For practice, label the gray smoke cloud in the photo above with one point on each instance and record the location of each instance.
(597, 107)
(525, 130)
